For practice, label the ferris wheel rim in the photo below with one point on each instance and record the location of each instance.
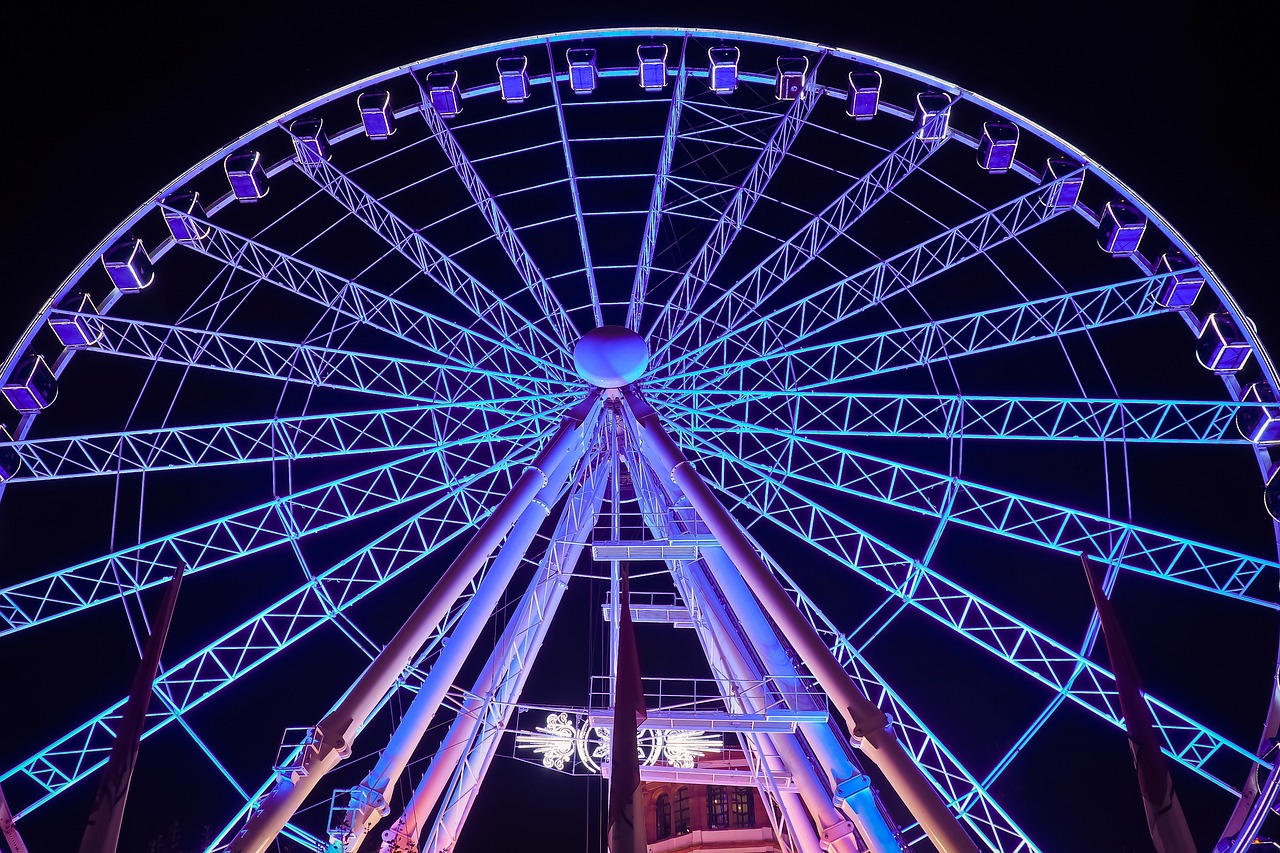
(558, 38)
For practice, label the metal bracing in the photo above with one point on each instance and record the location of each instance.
(313, 365)
(406, 429)
(1048, 661)
(944, 772)
(487, 306)
(552, 311)
(743, 298)
(968, 797)
(349, 298)
(658, 197)
(783, 328)
(280, 521)
(200, 676)
(1016, 516)
(572, 174)
(369, 801)
(463, 758)
(819, 414)
(735, 660)
(867, 723)
(818, 366)
(702, 266)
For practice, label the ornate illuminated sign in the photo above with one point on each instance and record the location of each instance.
(562, 739)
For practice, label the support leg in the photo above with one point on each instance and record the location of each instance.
(868, 724)
(333, 737)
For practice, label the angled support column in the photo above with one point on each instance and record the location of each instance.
(368, 803)
(845, 776)
(730, 626)
(332, 739)
(472, 739)
(8, 829)
(869, 725)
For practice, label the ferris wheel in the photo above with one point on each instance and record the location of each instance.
(847, 364)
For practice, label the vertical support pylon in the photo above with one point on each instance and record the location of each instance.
(333, 737)
(869, 725)
(1165, 820)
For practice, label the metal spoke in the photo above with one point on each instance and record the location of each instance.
(703, 265)
(276, 522)
(552, 311)
(1017, 516)
(487, 306)
(274, 439)
(352, 299)
(821, 365)
(307, 363)
(573, 190)
(744, 297)
(661, 177)
(814, 414)
(791, 324)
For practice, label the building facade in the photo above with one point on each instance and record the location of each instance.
(684, 817)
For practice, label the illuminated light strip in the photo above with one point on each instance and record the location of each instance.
(746, 294)
(290, 362)
(661, 177)
(352, 299)
(588, 267)
(276, 522)
(552, 310)
(792, 324)
(207, 445)
(1043, 659)
(1139, 549)
(699, 270)
(943, 416)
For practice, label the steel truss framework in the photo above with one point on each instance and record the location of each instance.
(348, 405)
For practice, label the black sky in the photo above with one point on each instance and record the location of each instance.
(104, 106)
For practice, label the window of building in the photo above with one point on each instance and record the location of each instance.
(717, 807)
(682, 811)
(743, 807)
(664, 816)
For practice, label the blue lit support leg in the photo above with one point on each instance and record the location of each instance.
(472, 739)
(729, 649)
(334, 735)
(823, 740)
(368, 803)
(865, 721)
(758, 634)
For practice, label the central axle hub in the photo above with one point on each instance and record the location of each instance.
(611, 356)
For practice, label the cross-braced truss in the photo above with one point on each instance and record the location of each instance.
(909, 356)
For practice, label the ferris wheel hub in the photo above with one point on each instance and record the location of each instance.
(611, 356)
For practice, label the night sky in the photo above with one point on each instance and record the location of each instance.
(107, 106)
